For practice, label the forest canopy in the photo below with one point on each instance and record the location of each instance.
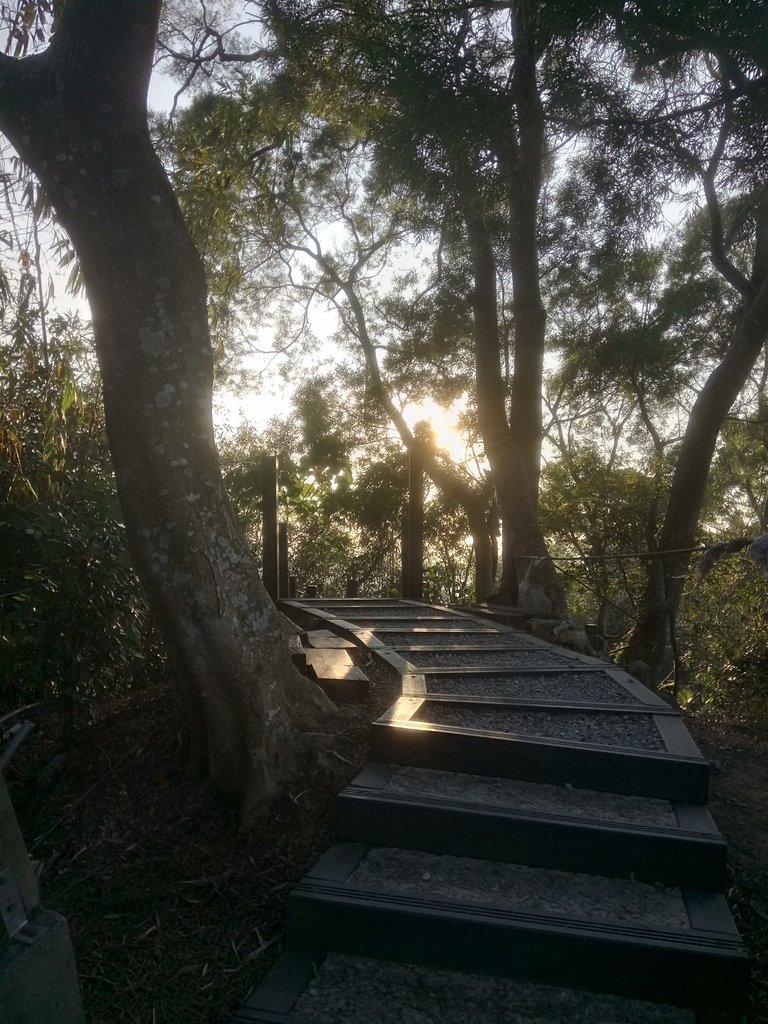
(547, 219)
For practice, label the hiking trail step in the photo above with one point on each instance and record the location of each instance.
(533, 823)
(633, 938)
(534, 817)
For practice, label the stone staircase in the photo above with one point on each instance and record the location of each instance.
(530, 844)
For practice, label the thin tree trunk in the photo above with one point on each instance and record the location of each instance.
(460, 491)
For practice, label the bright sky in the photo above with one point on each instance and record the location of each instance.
(272, 397)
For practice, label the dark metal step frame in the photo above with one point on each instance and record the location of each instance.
(679, 774)
(415, 682)
(704, 966)
(273, 1001)
(692, 853)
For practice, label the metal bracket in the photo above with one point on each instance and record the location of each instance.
(12, 911)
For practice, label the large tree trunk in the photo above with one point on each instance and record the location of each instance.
(513, 438)
(523, 164)
(651, 637)
(522, 535)
(77, 115)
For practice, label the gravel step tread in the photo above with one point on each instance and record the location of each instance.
(479, 637)
(565, 687)
(613, 729)
(358, 990)
(422, 625)
(409, 615)
(503, 642)
(519, 887)
(513, 794)
(487, 659)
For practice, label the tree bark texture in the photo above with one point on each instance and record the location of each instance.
(522, 536)
(77, 116)
(513, 436)
(523, 164)
(651, 636)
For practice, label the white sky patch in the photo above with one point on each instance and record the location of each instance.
(444, 423)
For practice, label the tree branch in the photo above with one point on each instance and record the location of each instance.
(10, 81)
(728, 270)
(760, 256)
(727, 96)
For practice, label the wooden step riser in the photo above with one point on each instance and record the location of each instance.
(674, 857)
(605, 769)
(698, 970)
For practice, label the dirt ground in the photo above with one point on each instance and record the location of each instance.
(175, 917)
(738, 754)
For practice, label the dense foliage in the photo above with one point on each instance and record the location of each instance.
(74, 623)
(343, 496)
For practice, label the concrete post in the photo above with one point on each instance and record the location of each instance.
(13, 853)
(38, 977)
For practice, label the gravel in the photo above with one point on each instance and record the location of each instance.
(429, 625)
(403, 612)
(357, 990)
(607, 728)
(492, 659)
(512, 638)
(591, 687)
(533, 796)
(401, 622)
(450, 638)
(519, 887)
(364, 606)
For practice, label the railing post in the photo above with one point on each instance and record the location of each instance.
(282, 567)
(271, 544)
(414, 558)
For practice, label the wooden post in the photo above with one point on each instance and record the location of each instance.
(282, 567)
(270, 568)
(414, 560)
(404, 556)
